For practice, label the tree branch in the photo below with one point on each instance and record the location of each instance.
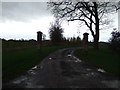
(87, 7)
(81, 20)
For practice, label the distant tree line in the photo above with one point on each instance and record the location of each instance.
(12, 44)
(20, 40)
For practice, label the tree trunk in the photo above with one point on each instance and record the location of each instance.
(96, 45)
(96, 37)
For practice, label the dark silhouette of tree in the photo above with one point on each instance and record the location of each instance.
(90, 13)
(78, 39)
(115, 41)
(56, 32)
(44, 36)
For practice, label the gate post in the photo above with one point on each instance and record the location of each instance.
(39, 40)
(85, 43)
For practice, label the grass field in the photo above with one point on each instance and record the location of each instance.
(104, 58)
(16, 62)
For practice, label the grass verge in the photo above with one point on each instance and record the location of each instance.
(18, 61)
(103, 58)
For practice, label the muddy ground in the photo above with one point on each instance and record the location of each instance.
(61, 69)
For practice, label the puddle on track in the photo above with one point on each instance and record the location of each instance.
(69, 55)
(101, 70)
(88, 69)
(34, 67)
(76, 59)
(20, 80)
(30, 85)
(112, 83)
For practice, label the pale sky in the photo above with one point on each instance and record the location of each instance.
(24, 19)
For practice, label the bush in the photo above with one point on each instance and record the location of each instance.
(55, 32)
(115, 41)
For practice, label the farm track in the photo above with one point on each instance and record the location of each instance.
(61, 69)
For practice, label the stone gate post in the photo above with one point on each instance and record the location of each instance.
(39, 40)
(85, 43)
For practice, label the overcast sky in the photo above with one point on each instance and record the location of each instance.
(24, 19)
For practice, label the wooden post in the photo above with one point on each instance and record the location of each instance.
(39, 40)
(85, 43)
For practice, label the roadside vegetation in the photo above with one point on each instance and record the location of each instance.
(107, 57)
(18, 61)
(104, 58)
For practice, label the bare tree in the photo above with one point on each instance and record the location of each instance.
(90, 13)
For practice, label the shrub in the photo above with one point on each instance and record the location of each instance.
(55, 32)
(115, 41)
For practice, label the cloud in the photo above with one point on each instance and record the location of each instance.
(16, 14)
(24, 11)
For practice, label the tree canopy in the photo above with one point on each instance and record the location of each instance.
(115, 41)
(56, 32)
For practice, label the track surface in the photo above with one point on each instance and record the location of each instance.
(62, 69)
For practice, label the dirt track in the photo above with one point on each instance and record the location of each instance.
(62, 69)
